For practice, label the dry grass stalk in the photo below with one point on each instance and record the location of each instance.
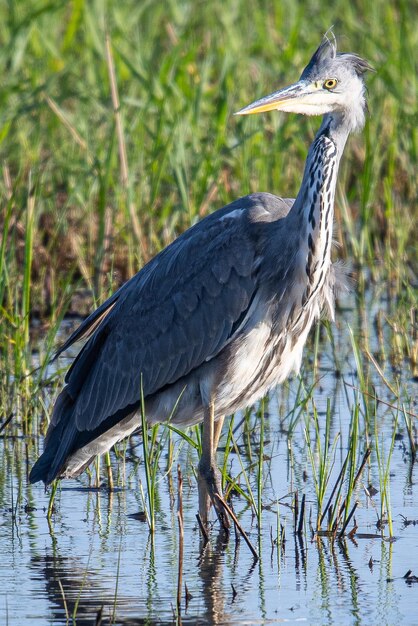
(124, 171)
(181, 537)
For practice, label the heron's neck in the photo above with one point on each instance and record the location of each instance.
(314, 205)
(321, 168)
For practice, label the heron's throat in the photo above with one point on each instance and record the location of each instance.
(314, 207)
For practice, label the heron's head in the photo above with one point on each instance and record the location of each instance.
(331, 82)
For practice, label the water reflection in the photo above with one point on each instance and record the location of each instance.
(74, 592)
(71, 589)
(210, 567)
(75, 589)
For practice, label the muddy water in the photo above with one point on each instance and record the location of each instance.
(97, 556)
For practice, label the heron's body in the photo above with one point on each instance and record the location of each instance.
(217, 318)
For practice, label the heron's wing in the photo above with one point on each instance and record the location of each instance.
(89, 325)
(261, 206)
(177, 312)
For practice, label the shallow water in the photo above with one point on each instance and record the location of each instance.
(95, 554)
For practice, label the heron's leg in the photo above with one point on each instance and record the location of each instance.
(206, 462)
(209, 481)
(217, 429)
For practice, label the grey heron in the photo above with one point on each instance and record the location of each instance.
(221, 315)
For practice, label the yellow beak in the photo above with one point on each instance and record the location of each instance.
(277, 100)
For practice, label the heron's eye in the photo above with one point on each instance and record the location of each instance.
(330, 83)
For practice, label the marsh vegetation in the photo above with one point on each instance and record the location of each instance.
(322, 473)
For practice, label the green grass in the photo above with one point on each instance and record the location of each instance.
(182, 69)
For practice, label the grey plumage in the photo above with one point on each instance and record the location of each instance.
(222, 314)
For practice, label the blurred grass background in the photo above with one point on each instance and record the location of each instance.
(68, 218)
